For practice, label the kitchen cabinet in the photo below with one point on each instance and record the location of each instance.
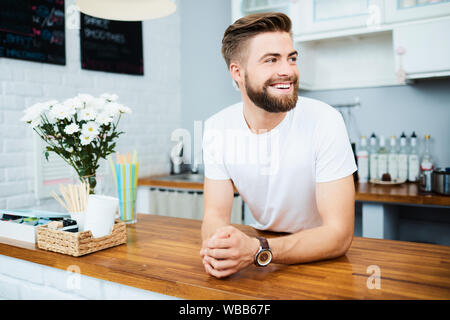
(363, 43)
(407, 10)
(314, 16)
(352, 61)
(424, 48)
(240, 8)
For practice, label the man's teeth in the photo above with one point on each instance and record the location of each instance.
(282, 86)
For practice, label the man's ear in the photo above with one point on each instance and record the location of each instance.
(236, 73)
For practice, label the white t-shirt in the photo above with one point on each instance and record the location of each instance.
(276, 172)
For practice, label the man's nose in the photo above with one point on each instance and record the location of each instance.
(286, 69)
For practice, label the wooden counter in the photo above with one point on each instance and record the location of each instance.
(162, 255)
(154, 181)
(407, 193)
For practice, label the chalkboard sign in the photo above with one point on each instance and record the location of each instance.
(112, 46)
(33, 30)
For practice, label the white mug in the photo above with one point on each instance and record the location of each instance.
(99, 215)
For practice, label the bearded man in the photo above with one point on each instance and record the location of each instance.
(289, 157)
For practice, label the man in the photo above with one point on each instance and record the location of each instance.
(289, 157)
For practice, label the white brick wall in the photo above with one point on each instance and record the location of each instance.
(154, 99)
(21, 279)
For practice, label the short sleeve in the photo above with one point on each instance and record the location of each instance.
(334, 154)
(213, 153)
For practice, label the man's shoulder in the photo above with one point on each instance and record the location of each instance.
(316, 108)
(225, 116)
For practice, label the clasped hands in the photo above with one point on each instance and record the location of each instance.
(227, 251)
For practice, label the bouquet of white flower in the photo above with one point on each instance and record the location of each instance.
(81, 130)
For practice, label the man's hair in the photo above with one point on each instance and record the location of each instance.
(235, 37)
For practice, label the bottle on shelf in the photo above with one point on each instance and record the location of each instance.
(373, 157)
(382, 158)
(403, 159)
(426, 167)
(393, 159)
(413, 160)
(362, 157)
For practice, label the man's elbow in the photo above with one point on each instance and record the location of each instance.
(344, 244)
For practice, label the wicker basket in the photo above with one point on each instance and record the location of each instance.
(79, 243)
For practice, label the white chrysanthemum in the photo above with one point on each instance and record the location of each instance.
(71, 128)
(36, 110)
(110, 96)
(98, 104)
(112, 109)
(87, 114)
(124, 109)
(32, 113)
(73, 103)
(35, 122)
(50, 117)
(90, 129)
(60, 111)
(46, 105)
(84, 97)
(104, 118)
(86, 139)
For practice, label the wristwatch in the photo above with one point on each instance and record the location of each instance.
(264, 256)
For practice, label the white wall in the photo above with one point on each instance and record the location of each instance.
(154, 99)
(206, 85)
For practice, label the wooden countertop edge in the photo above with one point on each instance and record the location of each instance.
(168, 287)
(418, 200)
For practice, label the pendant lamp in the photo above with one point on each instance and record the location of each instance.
(127, 10)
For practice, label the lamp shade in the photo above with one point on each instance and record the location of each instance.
(127, 10)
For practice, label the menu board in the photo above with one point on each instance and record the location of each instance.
(33, 30)
(111, 46)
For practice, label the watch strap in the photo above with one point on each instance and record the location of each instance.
(263, 242)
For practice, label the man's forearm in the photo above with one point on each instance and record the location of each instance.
(319, 243)
(211, 224)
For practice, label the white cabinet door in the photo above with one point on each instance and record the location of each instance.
(313, 16)
(240, 8)
(404, 10)
(347, 62)
(426, 48)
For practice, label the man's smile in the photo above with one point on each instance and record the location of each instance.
(282, 87)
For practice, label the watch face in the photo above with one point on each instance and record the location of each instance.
(264, 258)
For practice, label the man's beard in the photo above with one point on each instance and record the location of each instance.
(270, 103)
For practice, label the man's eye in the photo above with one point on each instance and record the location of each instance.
(271, 60)
(293, 59)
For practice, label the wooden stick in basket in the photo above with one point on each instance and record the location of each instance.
(75, 197)
(54, 195)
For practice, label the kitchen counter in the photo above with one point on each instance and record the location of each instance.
(156, 181)
(407, 193)
(162, 255)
